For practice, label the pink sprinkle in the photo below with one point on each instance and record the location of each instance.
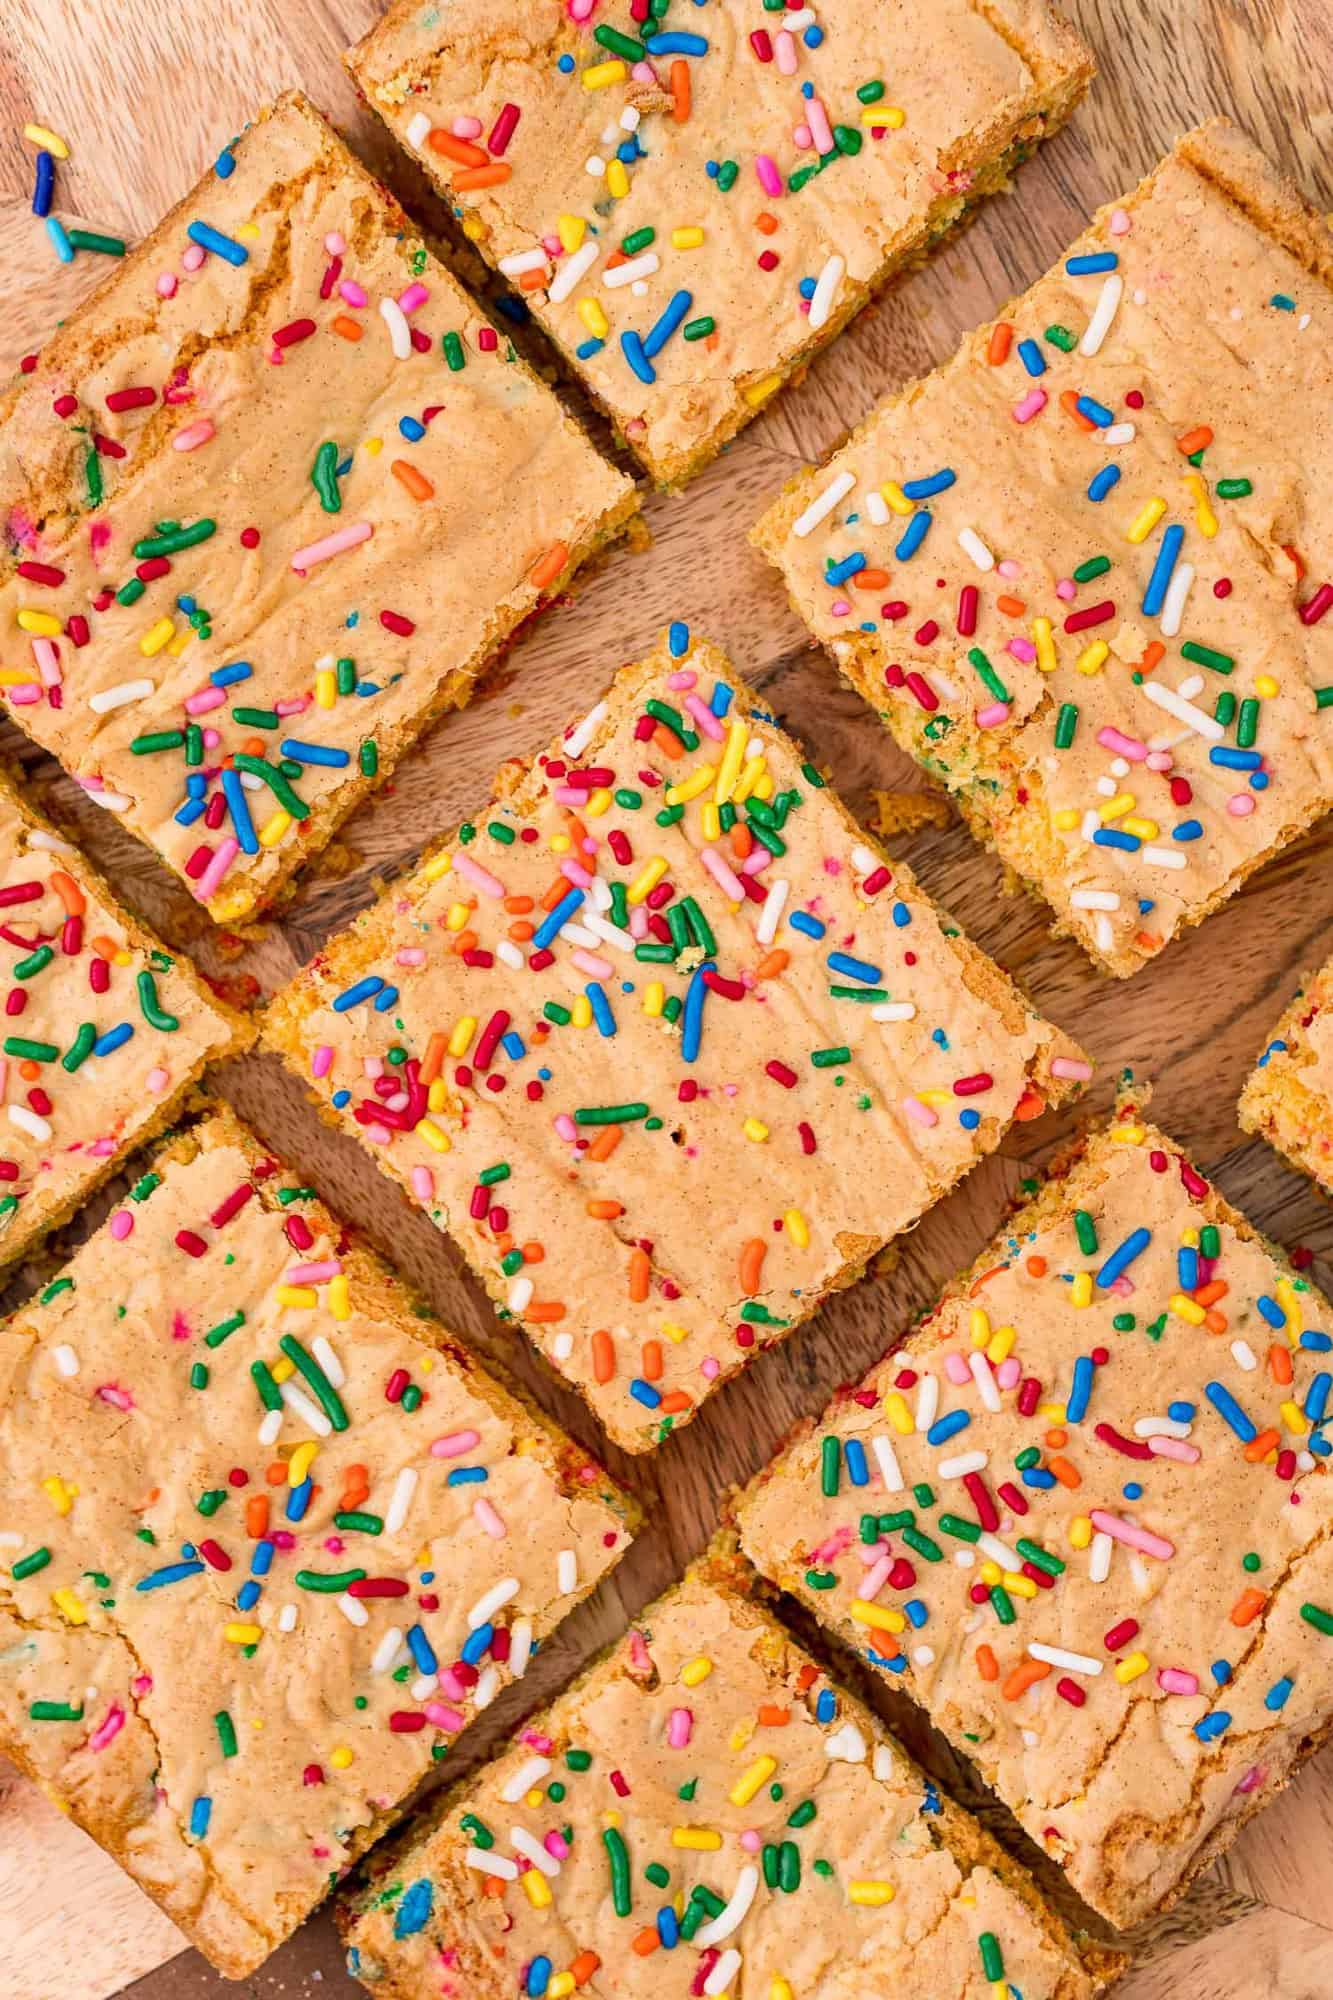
(1177, 1448)
(455, 1443)
(416, 295)
(445, 1718)
(680, 1727)
(166, 285)
(919, 1113)
(26, 693)
(1124, 746)
(1175, 1680)
(1120, 224)
(119, 1399)
(1240, 805)
(876, 1577)
(571, 795)
(409, 954)
(1009, 1372)
(596, 968)
(312, 1274)
(351, 292)
(157, 1081)
(993, 715)
(322, 1061)
(193, 435)
(1132, 1535)
(122, 1224)
(466, 127)
(108, 1728)
(211, 879)
(45, 653)
(710, 1368)
(1256, 1775)
(1022, 649)
(820, 129)
(192, 257)
(487, 1519)
(335, 243)
(565, 1128)
(705, 717)
(751, 1841)
(480, 878)
(331, 545)
(1031, 406)
(770, 180)
(204, 700)
(956, 1368)
(684, 677)
(722, 873)
(1066, 589)
(423, 1183)
(785, 44)
(1068, 1066)
(556, 1845)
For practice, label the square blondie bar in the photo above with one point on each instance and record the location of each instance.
(665, 1042)
(273, 497)
(1082, 1516)
(105, 1031)
(1083, 570)
(695, 201)
(1288, 1099)
(705, 1813)
(268, 1540)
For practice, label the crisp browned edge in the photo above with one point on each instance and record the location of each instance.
(1062, 69)
(1225, 157)
(724, 1568)
(1276, 1103)
(370, 933)
(452, 688)
(240, 1030)
(1028, 1214)
(391, 1300)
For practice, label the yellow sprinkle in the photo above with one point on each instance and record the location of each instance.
(49, 141)
(1066, 819)
(1203, 507)
(1002, 1345)
(560, 843)
(750, 780)
(339, 1295)
(60, 1493)
(1017, 1584)
(561, 1986)
(755, 1129)
(571, 229)
(457, 916)
(990, 1572)
(438, 865)
(710, 820)
(437, 1140)
(598, 75)
(688, 238)
(696, 1671)
(300, 1462)
(1123, 802)
(533, 1799)
(1265, 686)
(740, 1736)
(646, 880)
(778, 1989)
(689, 788)
(580, 1012)
(979, 1326)
(751, 1779)
(729, 769)
(326, 687)
(303, 1297)
(698, 1839)
(896, 498)
(654, 999)
(1146, 829)
(893, 116)
(537, 1888)
(461, 1038)
(340, 1758)
(1044, 642)
(282, 1369)
(156, 637)
(871, 1895)
(40, 623)
(1190, 1238)
(590, 312)
(759, 392)
(437, 1095)
(1128, 1135)
(1292, 1419)
(1290, 1304)
(617, 179)
(1080, 1532)
(1094, 657)
(70, 1606)
(475, 231)
(598, 802)
(13, 677)
(797, 1228)
(271, 832)
(1187, 1309)
(374, 446)
(879, 1617)
(249, 232)
(1145, 521)
(674, 1332)
(1131, 1667)
(898, 1414)
(250, 1635)
(183, 638)
(1051, 1413)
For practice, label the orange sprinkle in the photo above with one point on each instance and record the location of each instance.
(1296, 559)
(1216, 1322)
(105, 947)
(985, 1277)
(534, 1253)
(349, 328)
(583, 1967)
(1069, 404)
(69, 892)
(1196, 440)
(1258, 1448)
(533, 281)
(356, 1487)
(667, 741)
(503, 1241)
(680, 91)
(440, 140)
(494, 175)
(742, 841)
(548, 567)
(605, 1211)
(1153, 655)
(464, 941)
(28, 1069)
(1001, 340)
(766, 223)
(1247, 1606)
(1030, 1105)
(770, 1717)
(674, 1402)
(603, 1356)
(639, 1269)
(751, 1264)
(870, 579)
(256, 1516)
(772, 963)
(987, 1664)
(1057, 1439)
(1037, 1267)
(807, 1677)
(492, 1886)
(1067, 1474)
(651, 1360)
(1209, 1294)
(605, 1143)
(276, 1474)
(518, 906)
(543, 1311)
(558, 890)
(1279, 1363)
(1025, 1675)
(645, 1943)
(1012, 607)
(521, 930)
(433, 1060)
(416, 482)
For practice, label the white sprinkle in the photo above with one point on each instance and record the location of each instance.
(418, 130)
(1099, 1557)
(1106, 308)
(484, 1693)
(826, 287)
(49, 843)
(1119, 434)
(1060, 1656)
(998, 1551)
(985, 1381)
(490, 1602)
(1164, 857)
(578, 738)
(562, 1347)
(353, 1610)
(520, 1293)
(386, 1653)
(270, 1427)
(846, 1745)
(287, 1618)
(970, 542)
(508, 954)
(1184, 711)
(404, 1486)
(1244, 1356)
(1191, 688)
(965, 1462)
(328, 1360)
(520, 1647)
(520, 261)
(864, 860)
(112, 802)
(774, 903)
(720, 1978)
(567, 1572)
(528, 1845)
(119, 696)
(1173, 605)
(629, 273)
(1091, 823)
(928, 1401)
(594, 165)
(1106, 787)
(1160, 1427)
(876, 506)
(571, 270)
(423, 1686)
(400, 334)
(894, 1010)
(730, 1919)
(629, 118)
(823, 503)
(301, 1406)
(487, 1863)
(923, 1656)
(529, 1773)
(889, 1469)
(943, 686)
(66, 1360)
(1103, 935)
(884, 1764)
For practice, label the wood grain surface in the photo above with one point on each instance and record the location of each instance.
(146, 93)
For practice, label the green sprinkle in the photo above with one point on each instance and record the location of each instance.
(328, 1582)
(830, 1058)
(1123, 1322)
(499, 831)
(987, 675)
(1234, 489)
(662, 711)
(226, 1730)
(1321, 1620)
(698, 329)
(358, 1523)
(925, 1545)
(55, 1288)
(199, 1375)
(609, 1114)
(1061, 337)
(578, 1760)
(481, 1834)
(869, 93)
(1066, 722)
(92, 472)
(1247, 724)
(256, 718)
(830, 1464)
(802, 1814)
(368, 757)
(269, 1393)
(56, 1711)
(29, 1565)
(1225, 711)
(1207, 656)
(224, 1329)
(454, 354)
(622, 1895)
(620, 45)
(173, 538)
(92, 239)
(553, 1011)
(956, 1524)
(259, 767)
(726, 175)
(1210, 1240)
(324, 478)
(153, 1011)
(628, 801)
(36, 961)
(208, 1503)
(492, 1176)
(329, 1399)
(158, 739)
(345, 676)
(992, 1958)
(19, 1045)
(1042, 1558)
(131, 592)
(1094, 566)
(1086, 1231)
(1002, 1604)
(638, 239)
(1028, 1457)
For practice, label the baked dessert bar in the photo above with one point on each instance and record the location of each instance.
(1289, 1097)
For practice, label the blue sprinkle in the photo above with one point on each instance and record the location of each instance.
(352, 996)
(414, 1911)
(1037, 1475)
(1101, 482)
(949, 1426)
(114, 1038)
(926, 489)
(854, 968)
(897, 1665)
(692, 1017)
(1032, 357)
(1120, 1260)
(468, 1475)
(312, 753)
(917, 1614)
(838, 572)
(1316, 1398)
(187, 814)
(298, 1500)
(858, 1471)
(1318, 1343)
(1276, 1697)
(1080, 1395)
(412, 429)
(200, 1814)
(513, 1045)
(225, 164)
(341, 1099)
(237, 670)
(419, 1646)
(1259, 781)
(1189, 829)
(813, 36)
(565, 65)
(64, 249)
(1154, 597)
(261, 1562)
(673, 43)
(969, 1120)
(555, 920)
(668, 1929)
(1234, 760)
(513, 309)
(1271, 1310)
(914, 534)
(678, 639)
(169, 1573)
(932, 1802)
(801, 920)
(1212, 1725)
(632, 348)
(1132, 1490)
(674, 312)
(1111, 836)
(248, 1595)
(1221, 1671)
(1088, 265)
(208, 238)
(476, 1645)
(1181, 1413)
(1187, 1268)
(44, 185)
(806, 288)
(601, 1010)
(902, 916)
(1096, 413)
(239, 808)
(722, 699)
(826, 1705)
(587, 348)
(644, 1392)
(1230, 1411)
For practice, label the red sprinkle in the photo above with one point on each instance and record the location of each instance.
(131, 399)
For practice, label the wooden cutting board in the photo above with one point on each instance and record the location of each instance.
(146, 94)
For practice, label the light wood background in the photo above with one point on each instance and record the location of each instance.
(146, 93)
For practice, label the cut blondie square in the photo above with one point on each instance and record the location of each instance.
(1083, 1517)
(106, 1032)
(705, 1812)
(1083, 570)
(272, 498)
(695, 203)
(1289, 1098)
(269, 1540)
(665, 1042)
